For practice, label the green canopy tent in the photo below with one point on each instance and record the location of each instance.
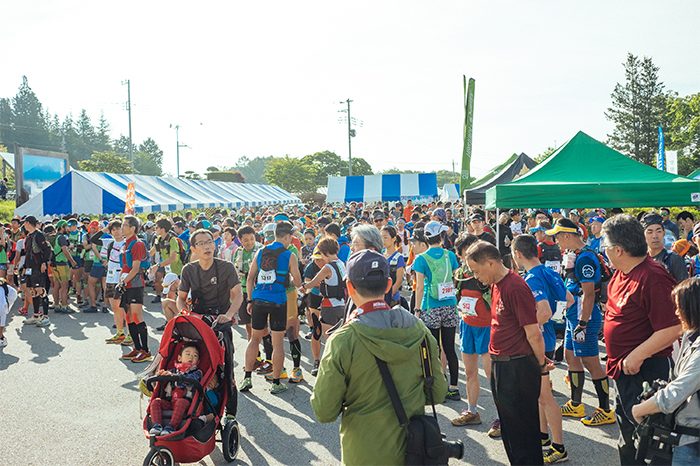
(585, 173)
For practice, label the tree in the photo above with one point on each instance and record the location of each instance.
(637, 110)
(328, 163)
(148, 160)
(28, 118)
(102, 140)
(396, 171)
(682, 130)
(253, 170)
(7, 133)
(446, 177)
(359, 167)
(232, 176)
(543, 156)
(109, 162)
(190, 175)
(121, 146)
(294, 175)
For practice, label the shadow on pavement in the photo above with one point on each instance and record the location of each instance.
(40, 342)
(6, 360)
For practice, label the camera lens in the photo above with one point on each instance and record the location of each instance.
(455, 449)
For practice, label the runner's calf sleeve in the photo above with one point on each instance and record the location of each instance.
(295, 349)
(143, 335)
(267, 347)
(316, 330)
(134, 333)
(576, 380)
(602, 389)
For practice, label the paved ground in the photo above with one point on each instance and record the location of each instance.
(67, 400)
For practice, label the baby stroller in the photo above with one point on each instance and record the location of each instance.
(193, 439)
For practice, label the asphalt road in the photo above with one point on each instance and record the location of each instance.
(68, 400)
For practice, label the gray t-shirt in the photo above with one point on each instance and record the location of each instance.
(214, 284)
(673, 263)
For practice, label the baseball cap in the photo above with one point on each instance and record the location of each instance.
(440, 213)
(216, 228)
(316, 254)
(31, 220)
(596, 219)
(61, 224)
(652, 219)
(168, 280)
(574, 212)
(433, 229)
(681, 247)
(280, 217)
(536, 229)
(512, 212)
(563, 225)
(554, 211)
(367, 266)
(477, 217)
(149, 224)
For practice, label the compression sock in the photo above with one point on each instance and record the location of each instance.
(295, 349)
(143, 335)
(134, 333)
(275, 381)
(558, 447)
(576, 380)
(247, 374)
(267, 346)
(602, 389)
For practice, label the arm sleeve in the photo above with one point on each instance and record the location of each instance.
(329, 391)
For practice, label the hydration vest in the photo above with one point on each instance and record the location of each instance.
(273, 274)
(333, 291)
(549, 252)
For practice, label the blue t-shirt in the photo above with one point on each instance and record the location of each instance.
(586, 270)
(396, 261)
(545, 283)
(421, 265)
(594, 243)
(344, 251)
(310, 272)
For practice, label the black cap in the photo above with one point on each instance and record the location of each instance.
(652, 219)
(367, 266)
(512, 212)
(30, 219)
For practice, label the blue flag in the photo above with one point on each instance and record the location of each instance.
(661, 157)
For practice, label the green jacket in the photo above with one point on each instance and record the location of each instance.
(349, 384)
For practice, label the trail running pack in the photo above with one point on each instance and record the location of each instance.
(270, 270)
(441, 285)
(334, 291)
(129, 259)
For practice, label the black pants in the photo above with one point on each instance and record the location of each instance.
(229, 384)
(629, 387)
(515, 386)
(445, 337)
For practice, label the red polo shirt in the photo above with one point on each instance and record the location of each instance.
(512, 307)
(639, 304)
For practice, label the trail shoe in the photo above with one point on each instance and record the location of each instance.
(466, 418)
(127, 341)
(130, 355)
(553, 455)
(43, 322)
(453, 394)
(265, 368)
(569, 410)
(278, 388)
(143, 356)
(115, 339)
(314, 371)
(297, 376)
(32, 320)
(246, 385)
(495, 429)
(600, 417)
(283, 375)
(90, 310)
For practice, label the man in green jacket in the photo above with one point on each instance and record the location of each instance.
(349, 382)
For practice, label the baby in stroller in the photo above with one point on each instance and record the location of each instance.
(180, 394)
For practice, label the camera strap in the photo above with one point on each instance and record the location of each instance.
(393, 392)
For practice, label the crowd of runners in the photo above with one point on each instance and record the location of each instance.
(280, 272)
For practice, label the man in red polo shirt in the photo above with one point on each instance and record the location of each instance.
(640, 321)
(517, 354)
(132, 284)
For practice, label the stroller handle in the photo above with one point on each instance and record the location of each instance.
(151, 381)
(218, 327)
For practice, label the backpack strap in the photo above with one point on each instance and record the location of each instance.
(393, 393)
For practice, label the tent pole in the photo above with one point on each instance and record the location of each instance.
(498, 229)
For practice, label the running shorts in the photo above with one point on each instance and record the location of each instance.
(589, 347)
(474, 340)
(277, 314)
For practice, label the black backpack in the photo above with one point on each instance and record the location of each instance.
(333, 291)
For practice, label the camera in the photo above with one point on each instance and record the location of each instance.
(655, 438)
(452, 448)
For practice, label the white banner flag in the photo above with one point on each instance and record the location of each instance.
(672, 161)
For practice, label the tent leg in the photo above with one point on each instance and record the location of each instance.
(498, 229)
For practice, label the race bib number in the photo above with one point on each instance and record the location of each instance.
(27, 272)
(446, 290)
(113, 275)
(554, 265)
(168, 269)
(559, 311)
(467, 306)
(569, 260)
(267, 277)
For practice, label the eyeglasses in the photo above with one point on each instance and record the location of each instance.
(202, 244)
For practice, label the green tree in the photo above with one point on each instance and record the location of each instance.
(190, 175)
(359, 167)
(231, 176)
(328, 163)
(121, 146)
(28, 118)
(102, 140)
(543, 156)
(637, 110)
(253, 170)
(148, 160)
(7, 133)
(446, 176)
(396, 171)
(682, 130)
(291, 174)
(70, 141)
(109, 162)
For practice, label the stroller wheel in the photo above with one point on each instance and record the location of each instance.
(159, 457)
(230, 440)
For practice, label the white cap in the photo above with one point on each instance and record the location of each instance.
(168, 280)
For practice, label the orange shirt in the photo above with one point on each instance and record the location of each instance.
(407, 212)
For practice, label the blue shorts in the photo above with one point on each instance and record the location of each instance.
(78, 263)
(590, 346)
(97, 271)
(474, 340)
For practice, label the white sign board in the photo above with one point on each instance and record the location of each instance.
(672, 161)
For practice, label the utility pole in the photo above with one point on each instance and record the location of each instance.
(128, 109)
(350, 136)
(178, 145)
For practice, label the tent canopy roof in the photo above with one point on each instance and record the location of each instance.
(585, 172)
(513, 167)
(105, 193)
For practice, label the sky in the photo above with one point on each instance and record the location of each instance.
(266, 78)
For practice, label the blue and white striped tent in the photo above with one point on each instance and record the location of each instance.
(105, 193)
(373, 188)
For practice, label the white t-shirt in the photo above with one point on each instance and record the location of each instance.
(333, 280)
(6, 304)
(114, 266)
(20, 247)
